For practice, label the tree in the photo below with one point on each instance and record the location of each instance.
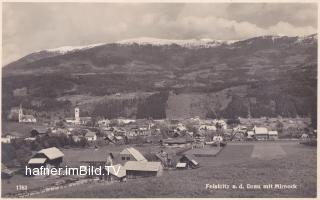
(279, 126)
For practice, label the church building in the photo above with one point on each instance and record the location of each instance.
(77, 119)
(25, 118)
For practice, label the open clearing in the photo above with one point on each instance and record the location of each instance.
(233, 165)
(268, 151)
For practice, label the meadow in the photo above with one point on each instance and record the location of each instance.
(234, 165)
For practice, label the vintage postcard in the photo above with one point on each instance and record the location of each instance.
(159, 100)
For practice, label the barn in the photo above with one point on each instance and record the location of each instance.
(46, 157)
(131, 154)
(261, 133)
(138, 169)
(190, 161)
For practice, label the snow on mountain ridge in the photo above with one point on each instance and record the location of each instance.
(189, 43)
(66, 49)
(206, 42)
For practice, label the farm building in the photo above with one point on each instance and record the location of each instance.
(250, 134)
(96, 158)
(40, 131)
(46, 157)
(261, 133)
(165, 158)
(6, 140)
(131, 154)
(117, 173)
(190, 161)
(273, 135)
(135, 169)
(91, 136)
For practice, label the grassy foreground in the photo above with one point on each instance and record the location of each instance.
(298, 167)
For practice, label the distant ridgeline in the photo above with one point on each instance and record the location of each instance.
(262, 76)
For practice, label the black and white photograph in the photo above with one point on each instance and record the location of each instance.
(159, 99)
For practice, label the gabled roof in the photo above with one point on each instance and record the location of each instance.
(260, 130)
(135, 153)
(191, 158)
(52, 153)
(142, 166)
(37, 160)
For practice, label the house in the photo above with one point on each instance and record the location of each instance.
(181, 127)
(305, 136)
(96, 158)
(273, 135)
(165, 158)
(119, 139)
(261, 133)
(30, 139)
(250, 134)
(220, 123)
(25, 118)
(117, 173)
(131, 154)
(207, 128)
(5, 140)
(181, 166)
(76, 138)
(135, 169)
(46, 157)
(91, 136)
(40, 131)
(125, 121)
(190, 161)
(104, 122)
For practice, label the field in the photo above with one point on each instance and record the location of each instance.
(238, 163)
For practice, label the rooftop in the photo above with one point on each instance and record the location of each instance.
(52, 153)
(142, 166)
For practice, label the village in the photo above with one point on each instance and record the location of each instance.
(139, 148)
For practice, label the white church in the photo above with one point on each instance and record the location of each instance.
(77, 120)
(25, 118)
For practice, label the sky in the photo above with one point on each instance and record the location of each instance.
(31, 27)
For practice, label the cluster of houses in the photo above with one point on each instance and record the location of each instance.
(130, 162)
(256, 133)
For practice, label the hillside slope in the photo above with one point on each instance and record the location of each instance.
(262, 76)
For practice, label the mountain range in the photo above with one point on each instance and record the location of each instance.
(148, 77)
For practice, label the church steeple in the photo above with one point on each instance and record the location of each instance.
(20, 113)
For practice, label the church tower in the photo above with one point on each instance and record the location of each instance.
(20, 113)
(77, 114)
